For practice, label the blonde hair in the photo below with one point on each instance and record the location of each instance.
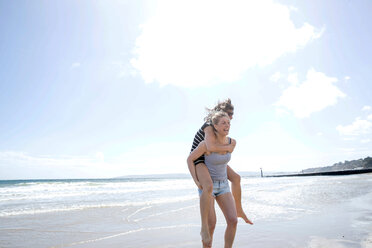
(216, 117)
(224, 106)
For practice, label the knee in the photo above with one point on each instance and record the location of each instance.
(207, 187)
(232, 221)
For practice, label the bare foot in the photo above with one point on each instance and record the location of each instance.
(242, 215)
(206, 238)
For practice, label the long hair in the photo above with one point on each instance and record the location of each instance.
(224, 106)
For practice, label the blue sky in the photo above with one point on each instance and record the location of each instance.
(112, 88)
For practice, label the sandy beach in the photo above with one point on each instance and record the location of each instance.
(316, 212)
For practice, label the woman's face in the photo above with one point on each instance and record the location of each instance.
(223, 126)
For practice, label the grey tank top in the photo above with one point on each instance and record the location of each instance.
(217, 165)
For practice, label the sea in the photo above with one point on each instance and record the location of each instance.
(163, 211)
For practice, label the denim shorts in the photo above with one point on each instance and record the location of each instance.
(220, 187)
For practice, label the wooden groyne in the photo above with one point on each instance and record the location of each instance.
(326, 173)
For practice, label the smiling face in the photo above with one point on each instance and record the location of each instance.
(222, 125)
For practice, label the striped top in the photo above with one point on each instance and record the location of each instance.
(199, 137)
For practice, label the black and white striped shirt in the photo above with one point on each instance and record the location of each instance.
(199, 137)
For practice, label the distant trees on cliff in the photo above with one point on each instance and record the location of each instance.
(365, 163)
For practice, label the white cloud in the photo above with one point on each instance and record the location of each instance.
(293, 78)
(352, 153)
(366, 108)
(196, 43)
(14, 164)
(275, 77)
(358, 127)
(348, 150)
(281, 112)
(364, 141)
(314, 94)
(21, 165)
(252, 151)
(347, 78)
(100, 156)
(134, 162)
(75, 65)
(369, 117)
(122, 69)
(42, 160)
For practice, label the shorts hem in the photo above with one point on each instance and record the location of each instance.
(199, 162)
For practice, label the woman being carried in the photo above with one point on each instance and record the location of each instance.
(216, 164)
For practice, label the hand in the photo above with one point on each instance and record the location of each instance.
(231, 148)
(232, 145)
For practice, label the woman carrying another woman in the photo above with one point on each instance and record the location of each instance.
(206, 134)
(216, 164)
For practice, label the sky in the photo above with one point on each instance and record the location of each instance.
(98, 89)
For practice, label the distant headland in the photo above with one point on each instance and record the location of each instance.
(359, 164)
(341, 168)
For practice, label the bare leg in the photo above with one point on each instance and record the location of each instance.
(227, 205)
(205, 201)
(212, 220)
(236, 190)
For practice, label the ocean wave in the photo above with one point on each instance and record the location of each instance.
(43, 209)
(58, 190)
